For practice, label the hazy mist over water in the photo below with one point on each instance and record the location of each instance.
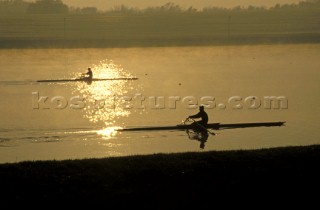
(52, 24)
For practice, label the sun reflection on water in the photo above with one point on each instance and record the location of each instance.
(109, 132)
(103, 99)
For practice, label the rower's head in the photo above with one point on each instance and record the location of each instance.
(89, 69)
(201, 108)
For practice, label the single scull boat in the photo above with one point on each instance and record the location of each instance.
(88, 80)
(215, 126)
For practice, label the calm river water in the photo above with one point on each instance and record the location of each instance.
(72, 120)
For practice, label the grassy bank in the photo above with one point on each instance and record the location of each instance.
(167, 180)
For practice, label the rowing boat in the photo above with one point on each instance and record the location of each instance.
(215, 126)
(88, 80)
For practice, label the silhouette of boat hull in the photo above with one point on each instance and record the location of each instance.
(215, 126)
(88, 80)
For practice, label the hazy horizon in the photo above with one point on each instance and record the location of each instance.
(199, 4)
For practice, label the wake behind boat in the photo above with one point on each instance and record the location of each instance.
(215, 126)
(88, 79)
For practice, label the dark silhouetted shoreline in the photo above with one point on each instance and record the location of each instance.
(167, 180)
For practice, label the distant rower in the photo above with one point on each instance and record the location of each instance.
(88, 75)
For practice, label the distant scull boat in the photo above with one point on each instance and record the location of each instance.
(88, 80)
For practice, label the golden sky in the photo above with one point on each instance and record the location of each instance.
(107, 4)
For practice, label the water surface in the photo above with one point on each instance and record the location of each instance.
(77, 120)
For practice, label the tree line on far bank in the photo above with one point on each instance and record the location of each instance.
(58, 7)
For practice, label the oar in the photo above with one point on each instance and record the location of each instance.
(204, 128)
